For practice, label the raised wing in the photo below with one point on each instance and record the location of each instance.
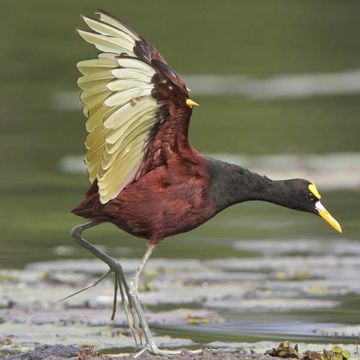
(122, 95)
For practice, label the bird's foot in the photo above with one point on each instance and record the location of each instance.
(126, 300)
(128, 304)
(153, 349)
(102, 277)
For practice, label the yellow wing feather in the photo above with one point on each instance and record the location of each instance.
(117, 99)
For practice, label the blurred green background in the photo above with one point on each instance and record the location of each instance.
(39, 49)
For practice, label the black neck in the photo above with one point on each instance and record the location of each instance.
(231, 184)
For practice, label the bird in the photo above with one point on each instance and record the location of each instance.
(145, 177)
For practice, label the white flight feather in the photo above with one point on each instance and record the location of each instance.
(128, 111)
(107, 44)
(118, 103)
(109, 30)
(123, 84)
(110, 20)
(117, 135)
(94, 65)
(92, 98)
(134, 74)
(95, 76)
(136, 64)
(98, 117)
(120, 98)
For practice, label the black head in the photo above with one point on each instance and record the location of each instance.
(232, 184)
(304, 196)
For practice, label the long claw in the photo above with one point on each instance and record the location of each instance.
(86, 287)
(131, 318)
(134, 315)
(116, 286)
(121, 285)
(140, 352)
(129, 298)
(156, 351)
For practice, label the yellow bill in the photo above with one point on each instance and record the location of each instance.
(327, 217)
(191, 103)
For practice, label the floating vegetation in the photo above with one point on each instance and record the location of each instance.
(287, 350)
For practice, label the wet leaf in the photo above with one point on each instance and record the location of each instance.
(340, 353)
(197, 320)
(87, 351)
(336, 353)
(311, 355)
(346, 354)
(285, 350)
(148, 287)
(5, 341)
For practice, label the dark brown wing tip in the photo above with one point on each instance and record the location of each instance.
(100, 11)
(82, 16)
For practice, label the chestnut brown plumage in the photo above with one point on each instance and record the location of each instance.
(146, 177)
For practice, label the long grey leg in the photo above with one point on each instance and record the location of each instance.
(120, 280)
(133, 301)
(134, 283)
(150, 343)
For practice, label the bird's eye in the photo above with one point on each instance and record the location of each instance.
(311, 197)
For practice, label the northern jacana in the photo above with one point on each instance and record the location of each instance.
(146, 178)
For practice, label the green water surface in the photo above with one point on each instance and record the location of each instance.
(253, 37)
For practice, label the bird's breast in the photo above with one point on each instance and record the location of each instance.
(166, 201)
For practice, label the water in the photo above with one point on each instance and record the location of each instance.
(36, 196)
